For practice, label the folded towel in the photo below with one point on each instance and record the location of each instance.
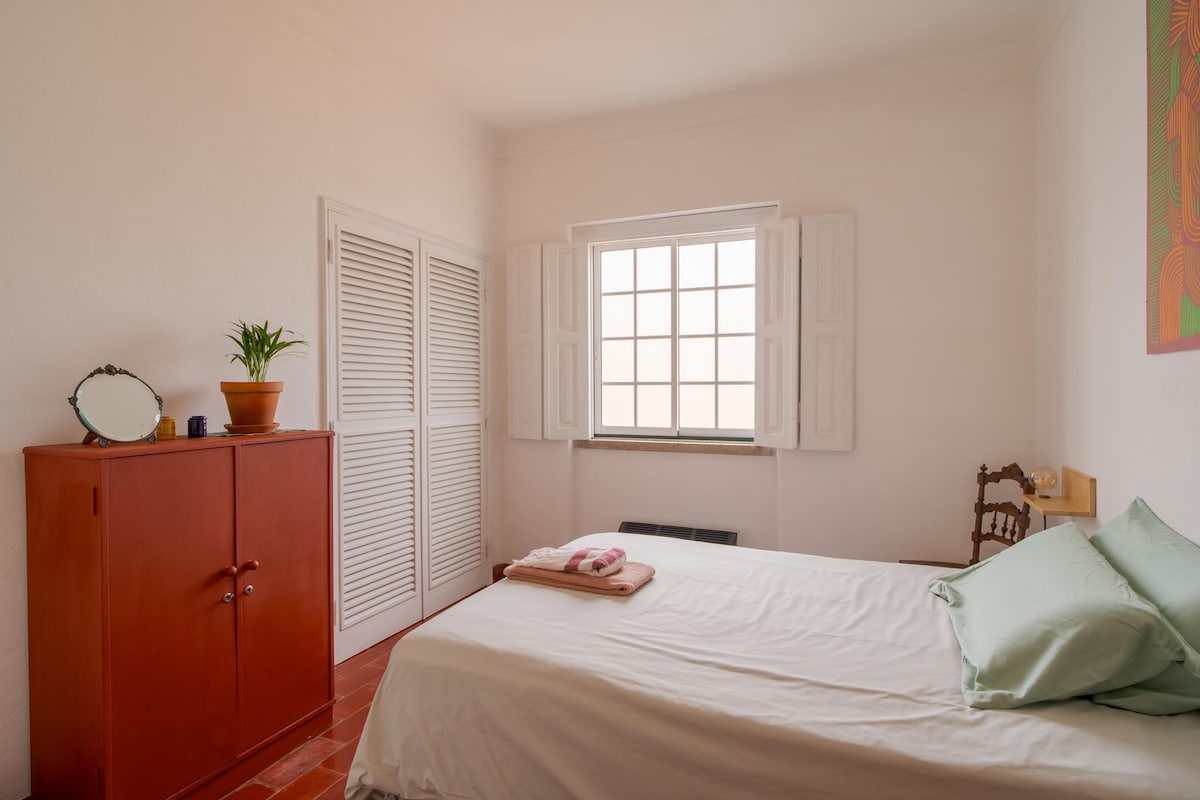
(594, 561)
(626, 581)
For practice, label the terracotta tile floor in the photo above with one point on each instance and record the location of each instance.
(316, 770)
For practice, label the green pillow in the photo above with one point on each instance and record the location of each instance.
(1049, 619)
(1164, 567)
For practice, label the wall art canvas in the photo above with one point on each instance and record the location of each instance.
(1173, 191)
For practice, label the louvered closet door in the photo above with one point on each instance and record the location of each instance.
(454, 451)
(375, 376)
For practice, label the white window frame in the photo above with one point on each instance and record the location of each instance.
(713, 220)
(681, 225)
(674, 430)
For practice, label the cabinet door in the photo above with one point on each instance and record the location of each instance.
(64, 548)
(172, 648)
(284, 622)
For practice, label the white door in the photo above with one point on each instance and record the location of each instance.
(374, 377)
(454, 425)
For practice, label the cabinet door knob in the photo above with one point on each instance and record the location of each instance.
(231, 571)
(250, 566)
(228, 598)
(249, 589)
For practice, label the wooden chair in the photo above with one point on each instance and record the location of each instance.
(1000, 521)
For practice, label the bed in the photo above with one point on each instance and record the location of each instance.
(734, 673)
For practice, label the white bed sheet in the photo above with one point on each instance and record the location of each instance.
(735, 673)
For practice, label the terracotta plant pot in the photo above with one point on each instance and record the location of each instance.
(251, 405)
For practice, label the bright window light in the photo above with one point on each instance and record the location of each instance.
(674, 334)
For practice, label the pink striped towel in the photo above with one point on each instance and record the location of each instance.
(625, 581)
(594, 561)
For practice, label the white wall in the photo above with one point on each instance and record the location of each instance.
(161, 165)
(1103, 405)
(936, 161)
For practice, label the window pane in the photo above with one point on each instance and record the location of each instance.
(654, 314)
(653, 268)
(735, 407)
(653, 360)
(616, 361)
(735, 310)
(616, 271)
(616, 316)
(735, 262)
(735, 358)
(696, 265)
(697, 407)
(696, 361)
(616, 406)
(676, 326)
(696, 313)
(654, 406)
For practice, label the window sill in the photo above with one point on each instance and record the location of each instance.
(672, 446)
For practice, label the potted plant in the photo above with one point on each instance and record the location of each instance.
(252, 402)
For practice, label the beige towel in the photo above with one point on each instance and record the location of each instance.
(627, 580)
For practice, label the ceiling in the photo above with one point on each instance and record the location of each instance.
(519, 64)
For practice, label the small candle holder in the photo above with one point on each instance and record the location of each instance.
(197, 427)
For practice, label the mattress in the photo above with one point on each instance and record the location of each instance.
(734, 673)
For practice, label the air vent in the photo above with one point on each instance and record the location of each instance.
(679, 532)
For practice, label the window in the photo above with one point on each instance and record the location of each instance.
(687, 325)
(673, 336)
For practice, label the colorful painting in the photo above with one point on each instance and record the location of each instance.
(1173, 233)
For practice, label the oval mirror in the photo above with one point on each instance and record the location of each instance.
(116, 406)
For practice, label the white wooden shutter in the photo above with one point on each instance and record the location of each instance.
(373, 380)
(827, 333)
(378, 513)
(567, 369)
(454, 452)
(524, 325)
(776, 348)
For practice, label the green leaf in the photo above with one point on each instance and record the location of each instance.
(257, 344)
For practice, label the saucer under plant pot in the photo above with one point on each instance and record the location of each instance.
(252, 403)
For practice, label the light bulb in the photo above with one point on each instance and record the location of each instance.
(1043, 479)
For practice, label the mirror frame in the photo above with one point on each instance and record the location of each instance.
(105, 438)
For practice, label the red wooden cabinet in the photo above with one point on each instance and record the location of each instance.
(180, 615)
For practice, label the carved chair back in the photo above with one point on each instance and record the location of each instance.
(999, 521)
